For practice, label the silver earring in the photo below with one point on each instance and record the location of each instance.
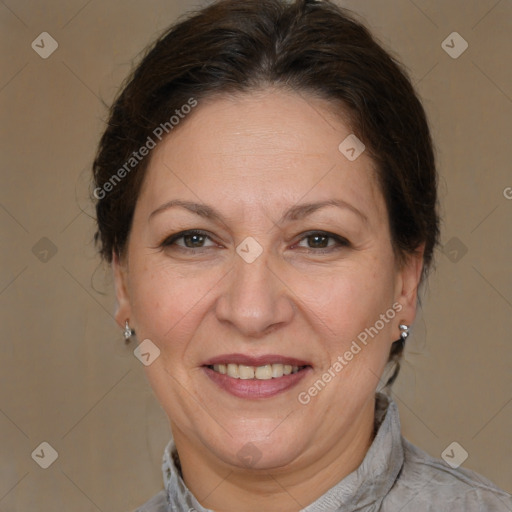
(404, 331)
(128, 331)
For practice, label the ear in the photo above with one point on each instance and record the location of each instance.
(120, 272)
(408, 279)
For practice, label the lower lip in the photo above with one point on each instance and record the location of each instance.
(256, 388)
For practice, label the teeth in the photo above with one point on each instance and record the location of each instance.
(263, 372)
(232, 371)
(246, 372)
(221, 368)
(277, 370)
(266, 372)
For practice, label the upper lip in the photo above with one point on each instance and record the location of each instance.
(255, 360)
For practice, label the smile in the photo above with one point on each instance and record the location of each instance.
(265, 372)
(253, 377)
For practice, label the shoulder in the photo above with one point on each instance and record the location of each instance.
(426, 483)
(157, 503)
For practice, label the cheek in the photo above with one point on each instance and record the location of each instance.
(357, 331)
(348, 300)
(166, 304)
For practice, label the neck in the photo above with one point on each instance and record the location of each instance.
(218, 486)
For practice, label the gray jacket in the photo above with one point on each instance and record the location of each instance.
(395, 476)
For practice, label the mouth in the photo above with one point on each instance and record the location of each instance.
(255, 377)
(265, 372)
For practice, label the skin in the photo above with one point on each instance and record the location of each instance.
(252, 157)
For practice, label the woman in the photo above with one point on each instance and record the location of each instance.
(266, 194)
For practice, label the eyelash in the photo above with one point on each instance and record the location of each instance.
(340, 241)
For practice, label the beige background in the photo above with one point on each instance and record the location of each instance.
(65, 375)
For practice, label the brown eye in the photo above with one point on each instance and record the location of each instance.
(322, 240)
(318, 241)
(189, 239)
(194, 240)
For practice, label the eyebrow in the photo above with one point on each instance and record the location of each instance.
(296, 212)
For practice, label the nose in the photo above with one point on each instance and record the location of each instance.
(254, 299)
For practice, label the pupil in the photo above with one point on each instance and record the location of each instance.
(194, 240)
(318, 241)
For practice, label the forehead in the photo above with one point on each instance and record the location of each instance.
(264, 147)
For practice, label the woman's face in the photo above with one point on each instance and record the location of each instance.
(292, 266)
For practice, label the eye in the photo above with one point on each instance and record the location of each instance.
(190, 239)
(322, 240)
(316, 241)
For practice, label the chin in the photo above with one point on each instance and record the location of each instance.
(259, 452)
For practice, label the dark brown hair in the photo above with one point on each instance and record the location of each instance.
(314, 47)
